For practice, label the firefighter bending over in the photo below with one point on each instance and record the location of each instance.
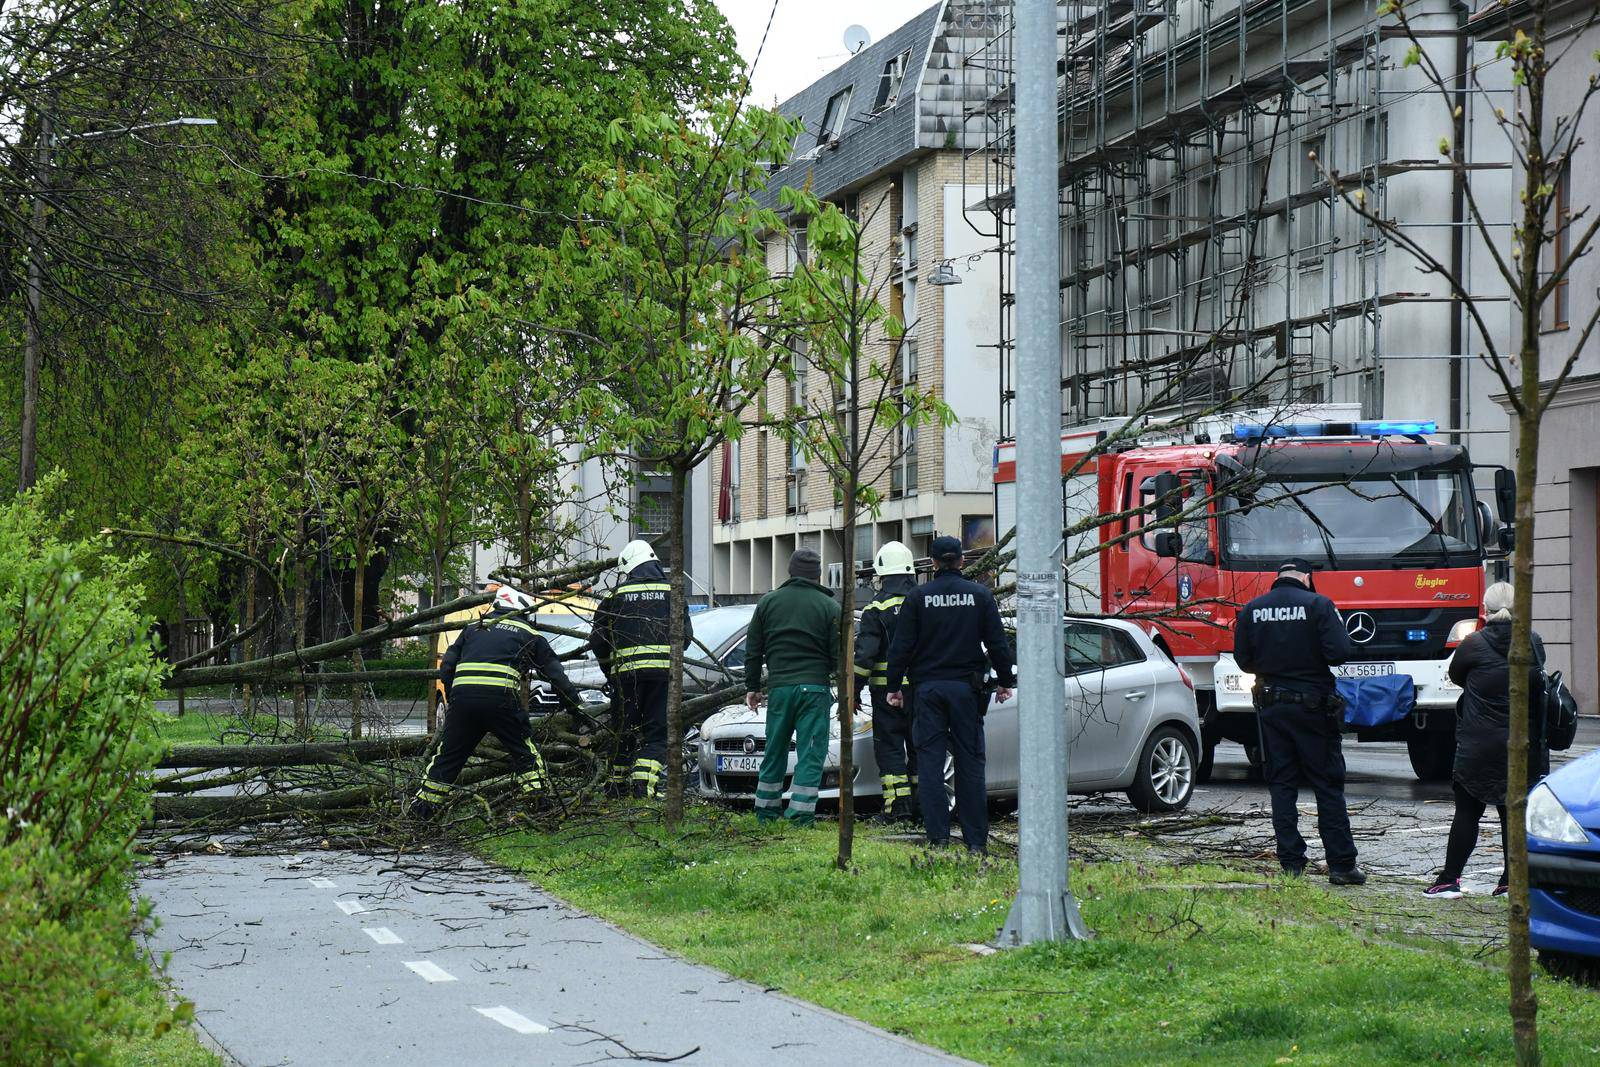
(482, 675)
(630, 640)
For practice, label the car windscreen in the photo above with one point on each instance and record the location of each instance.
(1407, 518)
(713, 628)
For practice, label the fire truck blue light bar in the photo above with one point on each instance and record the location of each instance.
(1245, 431)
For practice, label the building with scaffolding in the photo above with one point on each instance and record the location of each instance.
(1217, 161)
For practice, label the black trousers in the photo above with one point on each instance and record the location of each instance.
(949, 718)
(894, 750)
(642, 740)
(1464, 834)
(472, 712)
(1302, 748)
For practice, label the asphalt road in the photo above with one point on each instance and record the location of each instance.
(342, 958)
(1400, 823)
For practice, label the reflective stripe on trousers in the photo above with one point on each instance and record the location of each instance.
(647, 773)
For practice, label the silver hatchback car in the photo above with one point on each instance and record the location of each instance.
(1134, 730)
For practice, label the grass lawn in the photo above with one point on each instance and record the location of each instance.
(1180, 970)
(202, 728)
(175, 1047)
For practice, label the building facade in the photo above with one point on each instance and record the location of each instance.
(1566, 591)
(1217, 157)
(884, 138)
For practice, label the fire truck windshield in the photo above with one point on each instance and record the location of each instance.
(1406, 519)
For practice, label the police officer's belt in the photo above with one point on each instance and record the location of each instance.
(1271, 694)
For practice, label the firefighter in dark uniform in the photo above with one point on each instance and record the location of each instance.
(1288, 638)
(946, 630)
(891, 725)
(482, 675)
(630, 640)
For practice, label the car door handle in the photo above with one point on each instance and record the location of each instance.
(1138, 592)
(1137, 694)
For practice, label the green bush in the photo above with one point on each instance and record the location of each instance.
(76, 676)
(416, 689)
(69, 963)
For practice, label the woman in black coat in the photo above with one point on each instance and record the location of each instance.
(1483, 726)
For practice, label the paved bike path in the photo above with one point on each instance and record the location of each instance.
(343, 958)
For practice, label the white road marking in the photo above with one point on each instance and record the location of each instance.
(430, 971)
(349, 907)
(382, 935)
(323, 883)
(506, 1017)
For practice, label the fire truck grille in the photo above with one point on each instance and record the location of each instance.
(1408, 633)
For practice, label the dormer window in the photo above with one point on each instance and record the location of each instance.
(894, 72)
(833, 118)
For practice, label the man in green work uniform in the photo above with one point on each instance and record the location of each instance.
(795, 635)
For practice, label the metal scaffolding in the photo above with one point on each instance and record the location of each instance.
(1205, 253)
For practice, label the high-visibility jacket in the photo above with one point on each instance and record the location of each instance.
(631, 626)
(876, 629)
(492, 654)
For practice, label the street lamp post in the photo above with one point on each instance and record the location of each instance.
(28, 465)
(1044, 909)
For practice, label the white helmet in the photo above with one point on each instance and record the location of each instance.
(633, 554)
(509, 599)
(894, 558)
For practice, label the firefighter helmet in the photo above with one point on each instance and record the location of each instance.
(894, 558)
(633, 554)
(509, 599)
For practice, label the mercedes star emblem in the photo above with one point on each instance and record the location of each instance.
(1361, 627)
(749, 745)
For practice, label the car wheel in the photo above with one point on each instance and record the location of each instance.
(1432, 756)
(1165, 778)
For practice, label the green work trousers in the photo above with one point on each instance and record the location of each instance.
(799, 712)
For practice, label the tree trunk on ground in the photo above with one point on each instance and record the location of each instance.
(677, 602)
(847, 683)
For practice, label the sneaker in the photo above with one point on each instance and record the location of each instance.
(1294, 870)
(1444, 890)
(1351, 877)
(1501, 890)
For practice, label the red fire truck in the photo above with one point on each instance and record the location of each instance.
(1179, 529)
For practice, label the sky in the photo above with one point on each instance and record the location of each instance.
(807, 37)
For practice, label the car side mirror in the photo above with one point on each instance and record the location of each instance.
(1508, 538)
(1169, 544)
(1486, 523)
(1505, 494)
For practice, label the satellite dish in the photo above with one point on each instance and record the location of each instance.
(856, 38)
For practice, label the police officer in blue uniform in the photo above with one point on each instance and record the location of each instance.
(946, 631)
(1288, 638)
(482, 675)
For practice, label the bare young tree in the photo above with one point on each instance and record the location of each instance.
(1537, 41)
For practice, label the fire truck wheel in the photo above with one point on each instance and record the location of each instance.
(1165, 778)
(1208, 759)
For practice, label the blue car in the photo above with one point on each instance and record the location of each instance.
(1564, 867)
